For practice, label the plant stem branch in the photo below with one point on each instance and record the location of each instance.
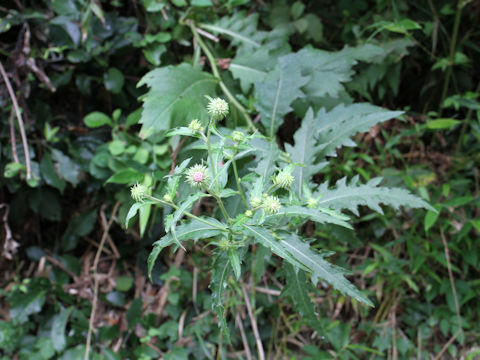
(214, 173)
(19, 119)
(451, 57)
(190, 215)
(213, 66)
(237, 179)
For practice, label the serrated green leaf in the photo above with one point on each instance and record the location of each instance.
(350, 196)
(176, 96)
(250, 67)
(234, 258)
(241, 28)
(277, 91)
(158, 246)
(304, 153)
(334, 128)
(326, 71)
(220, 272)
(313, 214)
(265, 238)
(319, 268)
(298, 288)
(267, 153)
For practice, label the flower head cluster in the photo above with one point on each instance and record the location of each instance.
(197, 175)
(284, 179)
(138, 192)
(217, 108)
(271, 204)
(195, 125)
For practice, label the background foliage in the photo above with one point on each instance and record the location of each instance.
(75, 68)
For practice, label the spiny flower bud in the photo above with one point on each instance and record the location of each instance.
(217, 108)
(255, 202)
(238, 136)
(197, 175)
(167, 198)
(138, 192)
(195, 125)
(249, 213)
(312, 203)
(271, 204)
(284, 179)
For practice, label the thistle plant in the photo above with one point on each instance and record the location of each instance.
(267, 206)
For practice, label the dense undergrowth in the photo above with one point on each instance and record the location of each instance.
(79, 96)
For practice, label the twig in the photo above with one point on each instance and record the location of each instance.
(61, 266)
(95, 279)
(452, 283)
(239, 323)
(12, 137)
(207, 35)
(19, 119)
(109, 238)
(253, 321)
(267, 291)
(446, 346)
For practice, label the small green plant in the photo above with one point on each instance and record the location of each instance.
(267, 206)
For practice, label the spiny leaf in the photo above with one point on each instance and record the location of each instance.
(277, 91)
(250, 67)
(193, 230)
(297, 288)
(326, 70)
(350, 196)
(220, 272)
(318, 267)
(334, 128)
(267, 153)
(304, 152)
(312, 214)
(265, 238)
(176, 95)
(241, 28)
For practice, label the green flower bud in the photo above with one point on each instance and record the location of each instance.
(312, 203)
(195, 125)
(167, 198)
(284, 179)
(271, 204)
(197, 175)
(255, 202)
(249, 213)
(238, 136)
(224, 244)
(138, 192)
(217, 108)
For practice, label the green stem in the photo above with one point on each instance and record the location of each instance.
(214, 173)
(237, 179)
(190, 215)
(451, 57)
(213, 66)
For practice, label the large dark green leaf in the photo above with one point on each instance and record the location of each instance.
(176, 96)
